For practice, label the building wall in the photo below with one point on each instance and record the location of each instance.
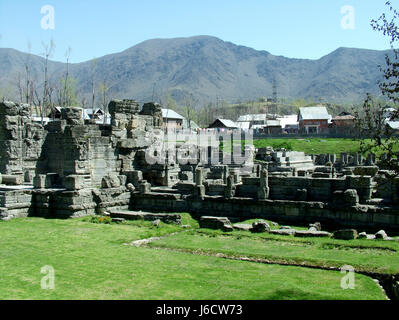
(322, 125)
(172, 124)
(344, 123)
(20, 139)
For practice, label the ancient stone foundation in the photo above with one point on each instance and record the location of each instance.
(72, 168)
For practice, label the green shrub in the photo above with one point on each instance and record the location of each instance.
(101, 219)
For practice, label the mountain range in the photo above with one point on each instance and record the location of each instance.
(205, 69)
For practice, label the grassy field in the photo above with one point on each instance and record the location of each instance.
(312, 146)
(315, 145)
(91, 262)
(363, 255)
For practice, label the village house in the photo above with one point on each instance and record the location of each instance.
(172, 120)
(223, 124)
(344, 123)
(98, 115)
(344, 119)
(250, 120)
(289, 123)
(314, 120)
(272, 127)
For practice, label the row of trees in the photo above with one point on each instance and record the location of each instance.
(205, 114)
(50, 91)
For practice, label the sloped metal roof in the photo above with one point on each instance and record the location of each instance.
(171, 114)
(314, 113)
(252, 117)
(228, 123)
(290, 120)
(347, 117)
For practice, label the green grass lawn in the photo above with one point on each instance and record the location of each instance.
(91, 262)
(312, 146)
(315, 145)
(364, 255)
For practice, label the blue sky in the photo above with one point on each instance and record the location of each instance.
(93, 28)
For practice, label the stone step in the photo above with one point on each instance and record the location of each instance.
(164, 190)
(376, 201)
(139, 215)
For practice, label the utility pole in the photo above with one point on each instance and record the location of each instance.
(273, 108)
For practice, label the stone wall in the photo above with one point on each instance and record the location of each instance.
(20, 140)
(15, 203)
(315, 189)
(283, 211)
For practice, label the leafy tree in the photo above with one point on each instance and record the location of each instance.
(372, 120)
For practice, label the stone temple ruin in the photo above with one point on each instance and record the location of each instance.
(73, 168)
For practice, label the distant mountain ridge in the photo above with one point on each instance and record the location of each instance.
(206, 68)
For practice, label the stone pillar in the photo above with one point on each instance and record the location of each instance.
(145, 187)
(344, 159)
(328, 158)
(41, 181)
(28, 177)
(225, 174)
(198, 177)
(333, 158)
(333, 172)
(137, 177)
(199, 188)
(230, 189)
(370, 161)
(264, 190)
(356, 160)
(361, 159)
(166, 176)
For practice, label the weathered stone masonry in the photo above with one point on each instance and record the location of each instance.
(71, 168)
(69, 159)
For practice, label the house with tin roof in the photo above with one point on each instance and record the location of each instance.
(223, 124)
(314, 120)
(172, 120)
